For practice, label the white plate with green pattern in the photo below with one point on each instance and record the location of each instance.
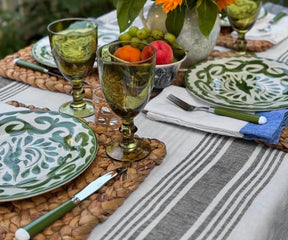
(40, 151)
(244, 83)
(41, 50)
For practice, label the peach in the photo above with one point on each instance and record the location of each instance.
(164, 53)
(147, 52)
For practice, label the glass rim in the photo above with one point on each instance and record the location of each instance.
(69, 19)
(123, 62)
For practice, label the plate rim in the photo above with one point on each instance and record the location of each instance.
(36, 56)
(73, 175)
(213, 103)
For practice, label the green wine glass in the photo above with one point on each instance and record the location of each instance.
(73, 44)
(127, 87)
(242, 15)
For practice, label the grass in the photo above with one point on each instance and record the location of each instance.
(20, 30)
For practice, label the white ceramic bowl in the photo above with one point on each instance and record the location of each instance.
(165, 74)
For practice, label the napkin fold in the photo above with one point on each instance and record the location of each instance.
(279, 30)
(162, 109)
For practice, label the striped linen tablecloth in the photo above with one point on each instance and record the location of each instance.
(208, 186)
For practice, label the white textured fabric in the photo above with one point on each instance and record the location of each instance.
(279, 30)
(208, 186)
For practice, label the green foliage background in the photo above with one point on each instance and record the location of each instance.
(18, 31)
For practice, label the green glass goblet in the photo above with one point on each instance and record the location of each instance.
(127, 87)
(242, 15)
(73, 44)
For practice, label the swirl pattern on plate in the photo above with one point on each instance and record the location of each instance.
(41, 150)
(245, 83)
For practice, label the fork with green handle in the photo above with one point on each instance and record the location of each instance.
(220, 111)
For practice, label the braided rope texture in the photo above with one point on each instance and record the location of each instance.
(226, 40)
(38, 79)
(77, 224)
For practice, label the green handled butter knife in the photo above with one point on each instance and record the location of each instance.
(22, 63)
(42, 222)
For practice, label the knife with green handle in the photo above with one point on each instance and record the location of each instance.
(44, 221)
(22, 63)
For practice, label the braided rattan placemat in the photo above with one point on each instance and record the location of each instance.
(78, 223)
(37, 79)
(44, 81)
(226, 40)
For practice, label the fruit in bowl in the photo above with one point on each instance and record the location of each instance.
(164, 54)
(169, 56)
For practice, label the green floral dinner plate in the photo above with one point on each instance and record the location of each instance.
(40, 151)
(244, 83)
(41, 50)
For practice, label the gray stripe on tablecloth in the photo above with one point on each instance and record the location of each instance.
(283, 57)
(243, 196)
(202, 193)
(269, 177)
(12, 89)
(194, 157)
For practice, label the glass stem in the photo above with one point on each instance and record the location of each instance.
(127, 130)
(241, 43)
(77, 94)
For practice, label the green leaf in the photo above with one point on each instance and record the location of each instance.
(127, 11)
(207, 11)
(175, 21)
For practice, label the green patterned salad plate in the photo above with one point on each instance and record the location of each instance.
(40, 151)
(243, 83)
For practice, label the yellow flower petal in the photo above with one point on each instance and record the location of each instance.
(169, 5)
(222, 4)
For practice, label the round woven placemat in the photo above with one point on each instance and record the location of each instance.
(41, 80)
(52, 83)
(78, 223)
(226, 40)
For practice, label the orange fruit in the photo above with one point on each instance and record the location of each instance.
(128, 53)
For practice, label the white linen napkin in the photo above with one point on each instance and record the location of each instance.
(162, 109)
(279, 30)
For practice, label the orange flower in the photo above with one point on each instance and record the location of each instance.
(222, 4)
(169, 5)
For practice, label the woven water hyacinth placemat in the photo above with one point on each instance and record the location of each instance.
(226, 40)
(37, 79)
(78, 223)
(44, 81)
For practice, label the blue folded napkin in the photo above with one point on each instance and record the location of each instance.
(270, 131)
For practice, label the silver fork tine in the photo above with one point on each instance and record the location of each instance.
(180, 103)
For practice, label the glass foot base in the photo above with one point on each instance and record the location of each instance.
(115, 151)
(78, 112)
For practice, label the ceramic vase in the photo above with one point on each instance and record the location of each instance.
(198, 47)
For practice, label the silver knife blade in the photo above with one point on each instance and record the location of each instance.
(22, 63)
(30, 230)
(98, 183)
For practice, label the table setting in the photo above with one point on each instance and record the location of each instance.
(215, 172)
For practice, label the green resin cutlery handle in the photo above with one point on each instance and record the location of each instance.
(44, 221)
(240, 115)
